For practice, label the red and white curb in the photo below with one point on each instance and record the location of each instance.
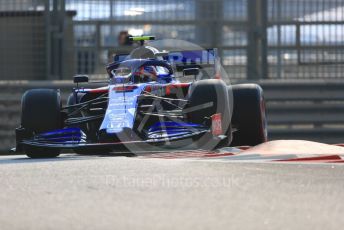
(238, 154)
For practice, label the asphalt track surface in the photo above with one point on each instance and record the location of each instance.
(118, 192)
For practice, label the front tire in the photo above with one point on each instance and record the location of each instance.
(213, 93)
(249, 117)
(41, 112)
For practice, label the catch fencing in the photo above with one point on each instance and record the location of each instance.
(260, 39)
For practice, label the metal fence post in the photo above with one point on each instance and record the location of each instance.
(209, 15)
(62, 15)
(252, 42)
(47, 40)
(57, 39)
(257, 39)
(264, 39)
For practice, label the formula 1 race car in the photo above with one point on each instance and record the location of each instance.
(144, 107)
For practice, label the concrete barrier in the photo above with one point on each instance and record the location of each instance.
(305, 109)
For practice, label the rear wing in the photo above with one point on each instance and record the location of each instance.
(192, 58)
(185, 59)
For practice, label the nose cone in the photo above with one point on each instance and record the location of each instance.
(121, 110)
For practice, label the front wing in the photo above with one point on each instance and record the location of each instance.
(185, 141)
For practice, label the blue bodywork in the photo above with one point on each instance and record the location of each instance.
(68, 135)
(121, 110)
(120, 115)
(170, 129)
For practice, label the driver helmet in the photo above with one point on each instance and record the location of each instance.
(147, 73)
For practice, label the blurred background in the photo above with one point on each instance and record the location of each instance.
(293, 48)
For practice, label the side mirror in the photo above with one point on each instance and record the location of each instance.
(80, 79)
(191, 71)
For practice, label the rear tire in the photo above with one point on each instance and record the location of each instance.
(249, 115)
(41, 112)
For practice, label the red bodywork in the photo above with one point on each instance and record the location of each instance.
(167, 89)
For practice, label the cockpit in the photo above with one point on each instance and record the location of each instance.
(141, 71)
